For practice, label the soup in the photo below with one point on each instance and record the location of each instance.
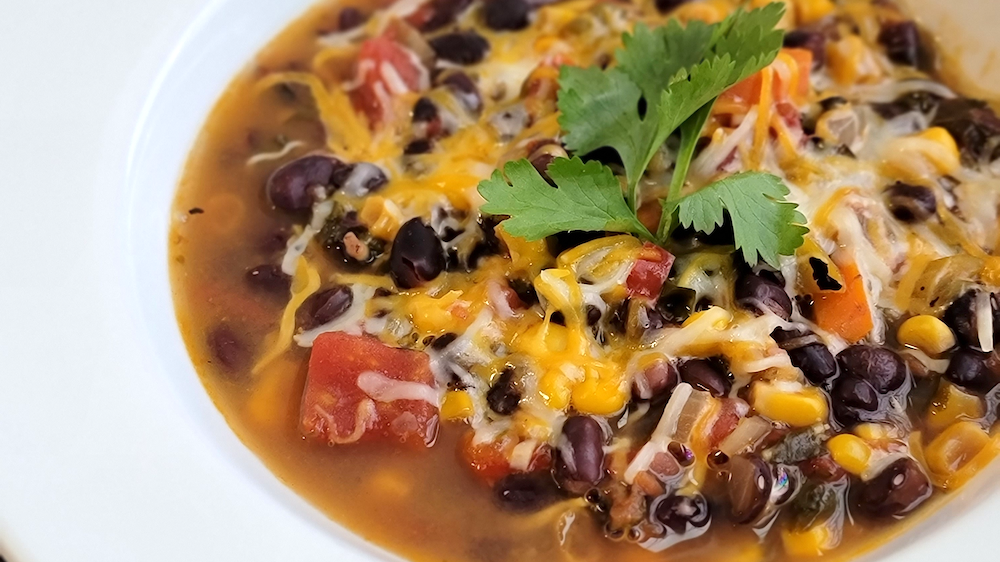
(591, 280)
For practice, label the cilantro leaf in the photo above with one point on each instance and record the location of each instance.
(750, 39)
(652, 58)
(764, 224)
(601, 108)
(588, 196)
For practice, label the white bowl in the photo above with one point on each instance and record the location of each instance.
(109, 447)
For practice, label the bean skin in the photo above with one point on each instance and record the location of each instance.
(911, 203)
(756, 293)
(706, 374)
(854, 399)
(895, 491)
(655, 381)
(461, 47)
(579, 462)
(973, 369)
(503, 397)
(228, 349)
(749, 487)
(525, 492)
(681, 514)
(506, 15)
(324, 307)
(416, 256)
(292, 187)
(883, 368)
(901, 41)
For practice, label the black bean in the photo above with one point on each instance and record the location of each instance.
(594, 315)
(416, 256)
(911, 203)
(504, 396)
(973, 125)
(749, 487)
(359, 179)
(324, 307)
(418, 146)
(665, 6)
(461, 47)
(350, 18)
(525, 492)
(424, 111)
(462, 86)
(676, 304)
(443, 341)
(815, 361)
(655, 381)
(901, 41)
(897, 490)
(559, 243)
(756, 293)
(292, 187)
(525, 291)
(541, 164)
(962, 317)
(920, 101)
(709, 375)
(506, 15)
(681, 514)
(854, 399)
(832, 102)
(883, 368)
(579, 463)
(973, 369)
(270, 279)
(227, 349)
(814, 41)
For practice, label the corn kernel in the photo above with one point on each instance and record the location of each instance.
(554, 386)
(457, 405)
(922, 157)
(712, 11)
(944, 153)
(811, 542)
(873, 432)
(955, 447)
(811, 11)
(713, 317)
(850, 61)
(850, 452)
(382, 217)
(926, 333)
(951, 405)
(599, 395)
(798, 407)
(436, 315)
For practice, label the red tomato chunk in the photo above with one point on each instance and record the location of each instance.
(384, 69)
(649, 272)
(393, 405)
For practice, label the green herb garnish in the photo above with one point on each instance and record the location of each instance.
(666, 80)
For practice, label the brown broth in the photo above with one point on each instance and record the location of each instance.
(422, 504)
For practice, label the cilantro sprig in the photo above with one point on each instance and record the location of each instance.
(666, 80)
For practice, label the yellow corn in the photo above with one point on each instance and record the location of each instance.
(554, 386)
(531, 427)
(798, 408)
(435, 315)
(954, 448)
(850, 61)
(873, 432)
(382, 217)
(850, 452)
(811, 542)
(926, 333)
(811, 11)
(601, 395)
(714, 316)
(457, 405)
(951, 405)
(711, 11)
(922, 157)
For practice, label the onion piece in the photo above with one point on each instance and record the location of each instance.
(984, 321)
(746, 436)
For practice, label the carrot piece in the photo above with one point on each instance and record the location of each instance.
(804, 60)
(845, 313)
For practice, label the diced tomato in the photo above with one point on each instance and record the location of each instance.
(747, 93)
(337, 410)
(379, 56)
(649, 272)
(491, 461)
